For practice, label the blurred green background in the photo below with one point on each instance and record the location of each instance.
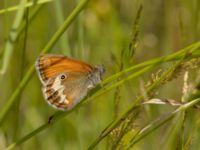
(101, 34)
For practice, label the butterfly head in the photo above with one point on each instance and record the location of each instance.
(96, 76)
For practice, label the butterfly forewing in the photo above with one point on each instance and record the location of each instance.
(49, 66)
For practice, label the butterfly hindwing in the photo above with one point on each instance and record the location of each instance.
(65, 93)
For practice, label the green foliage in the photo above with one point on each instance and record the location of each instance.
(149, 96)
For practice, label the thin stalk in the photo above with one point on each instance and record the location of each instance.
(120, 82)
(80, 32)
(165, 119)
(64, 43)
(22, 66)
(171, 57)
(31, 18)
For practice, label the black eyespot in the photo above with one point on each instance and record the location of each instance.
(62, 77)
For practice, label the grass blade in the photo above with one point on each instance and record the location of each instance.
(12, 36)
(29, 4)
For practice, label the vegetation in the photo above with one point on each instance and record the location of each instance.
(149, 95)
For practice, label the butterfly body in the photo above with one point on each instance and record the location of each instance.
(66, 81)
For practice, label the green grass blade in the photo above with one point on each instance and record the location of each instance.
(64, 44)
(171, 57)
(29, 4)
(12, 37)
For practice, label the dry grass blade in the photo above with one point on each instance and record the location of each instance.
(160, 121)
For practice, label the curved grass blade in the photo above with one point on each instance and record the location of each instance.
(174, 56)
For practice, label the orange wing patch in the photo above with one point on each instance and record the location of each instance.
(50, 65)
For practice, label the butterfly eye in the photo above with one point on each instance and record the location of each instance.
(62, 77)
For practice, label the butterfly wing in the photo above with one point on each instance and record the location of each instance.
(48, 66)
(63, 93)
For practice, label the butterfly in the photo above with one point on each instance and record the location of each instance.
(66, 81)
